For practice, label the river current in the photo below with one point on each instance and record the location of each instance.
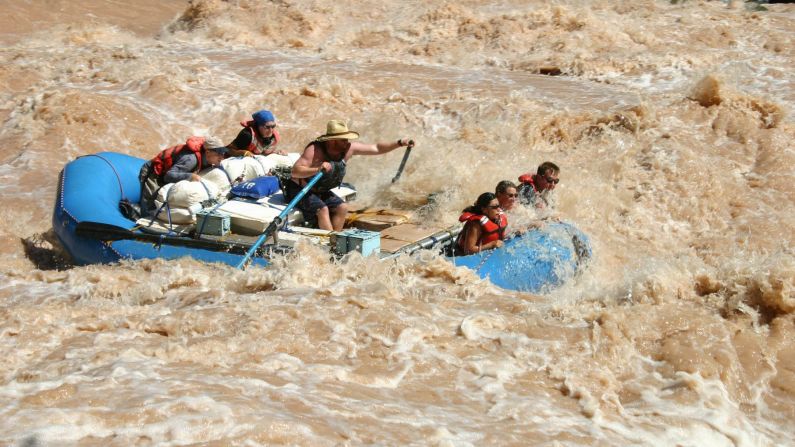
(671, 122)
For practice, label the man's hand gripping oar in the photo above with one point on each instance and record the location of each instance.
(406, 154)
(274, 225)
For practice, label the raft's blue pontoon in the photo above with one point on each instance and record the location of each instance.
(535, 261)
(89, 194)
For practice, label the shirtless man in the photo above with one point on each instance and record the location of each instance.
(329, 153)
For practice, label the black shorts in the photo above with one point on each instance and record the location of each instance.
(312, 202)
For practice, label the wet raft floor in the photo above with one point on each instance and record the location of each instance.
(397, 231)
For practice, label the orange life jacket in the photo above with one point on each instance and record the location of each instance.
(491, 231)
(258, 145)
(528, 179)
(165, 159)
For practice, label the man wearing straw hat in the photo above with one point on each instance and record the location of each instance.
(329, 153)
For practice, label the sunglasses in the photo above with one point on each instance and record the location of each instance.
(511, 195)
(269, 126)
(554, 181)
(493, 207)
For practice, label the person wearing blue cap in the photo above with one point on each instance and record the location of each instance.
(258, 137)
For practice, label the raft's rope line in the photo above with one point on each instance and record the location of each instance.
(225, 173)
(121, 190)
(204, 222)
(259, 162)
(206, 189)
(118, 178)
(485, 258)
(353, 217)
(168, 212)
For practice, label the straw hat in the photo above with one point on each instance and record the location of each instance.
(337, 130)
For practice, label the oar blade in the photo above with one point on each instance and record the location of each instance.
(103, 231)
(403, 163)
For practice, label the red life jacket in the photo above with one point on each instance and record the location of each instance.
(258, 145)
(490, 231)
(165, 159)
(528, 179)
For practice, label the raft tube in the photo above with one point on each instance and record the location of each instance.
(536, 261)
(90, 190)
(92, 186)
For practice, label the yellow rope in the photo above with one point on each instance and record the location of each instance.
(353, 217)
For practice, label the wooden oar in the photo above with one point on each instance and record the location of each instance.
(278, 220)
(108, 232)
(403, 162)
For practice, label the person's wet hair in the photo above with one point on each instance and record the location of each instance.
(481, 203)
(503, 186)
(547, 166)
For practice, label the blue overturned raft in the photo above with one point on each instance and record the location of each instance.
(92, 229)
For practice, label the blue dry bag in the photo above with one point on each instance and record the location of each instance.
(257, 188)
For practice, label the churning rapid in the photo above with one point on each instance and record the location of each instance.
(669, 121)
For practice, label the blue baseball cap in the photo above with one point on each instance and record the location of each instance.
(262, 117)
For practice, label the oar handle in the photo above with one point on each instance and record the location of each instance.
(403, 162)
(279, 219)
(108, 232)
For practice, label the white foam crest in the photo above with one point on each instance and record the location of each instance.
(56, 425)
(713, 418)
(533, 354)
(489, 376)
(409, 339)
(196, 418)
(14, 389)
(184, 419)
(280, 361)
(475, 327)
(538, 412)
(442, 437)
(435, 121)
(389, 380)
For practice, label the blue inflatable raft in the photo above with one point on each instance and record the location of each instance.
(92, 229)
(535, 261)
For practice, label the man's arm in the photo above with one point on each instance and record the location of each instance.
(379, 148)
(240, 145)
(182, 169)
(307, 166)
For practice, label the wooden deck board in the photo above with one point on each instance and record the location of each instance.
(394, 236)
